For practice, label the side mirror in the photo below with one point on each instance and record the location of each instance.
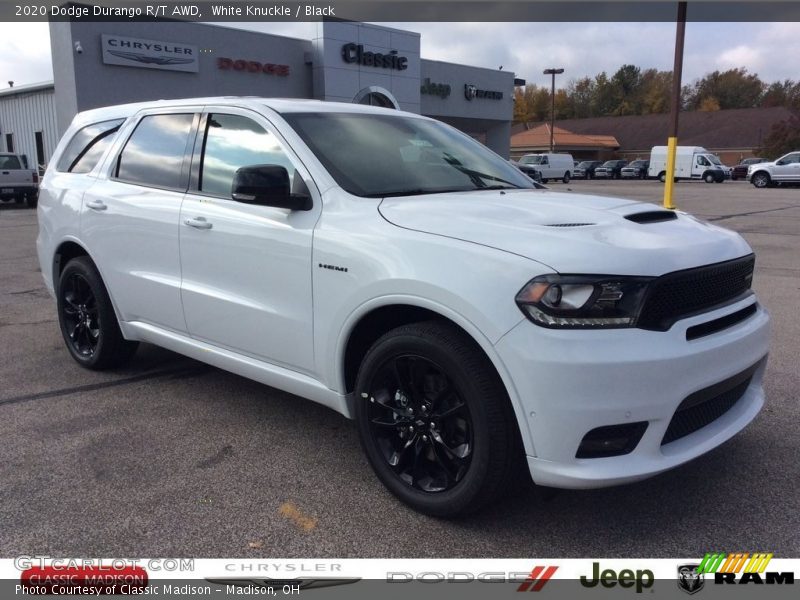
(267, 185)
(780, 163)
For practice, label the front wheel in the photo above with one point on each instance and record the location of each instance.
(761, 180)
(87, 319)
(435, 421)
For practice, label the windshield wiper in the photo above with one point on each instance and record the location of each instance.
(477, 174)
(493, 187)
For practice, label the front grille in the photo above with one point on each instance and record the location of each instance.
(706, 406)
(677, 295)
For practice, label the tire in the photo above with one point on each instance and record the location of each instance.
(473, 453)
(565, 179)
(544, 180)
(761, 180)
(662, 177)
(87, 320)
(31, 200)
(709, 177)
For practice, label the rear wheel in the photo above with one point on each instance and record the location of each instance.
(761, 180)
(662, 177)
(435, 421)
(565, 179)
(544, 180)
(87, 319)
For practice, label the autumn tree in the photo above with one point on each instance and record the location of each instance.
(734, 88)
(783, 137)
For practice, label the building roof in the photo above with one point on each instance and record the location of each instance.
(538, 138)
(26, 88)
(743, 128)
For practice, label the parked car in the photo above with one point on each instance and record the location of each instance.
(528, 170)
(550, 165)
(784, 170)
(740, 170)
(410, 279)
(635, 170)
(17, 181)
(611, 169)
(585, 169)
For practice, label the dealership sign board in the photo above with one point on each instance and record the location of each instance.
(149, 54)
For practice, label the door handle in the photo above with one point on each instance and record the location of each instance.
(198, 223)
(96, 205)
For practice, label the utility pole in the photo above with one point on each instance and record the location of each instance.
(677, 71)
(553, 73)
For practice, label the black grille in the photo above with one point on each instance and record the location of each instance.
(707, 405)
(677, 295)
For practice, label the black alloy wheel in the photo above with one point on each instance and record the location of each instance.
(87, 319)
(435, 421)
(420, 424)
(80, 311)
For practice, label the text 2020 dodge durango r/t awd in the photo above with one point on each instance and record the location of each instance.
(390, 267)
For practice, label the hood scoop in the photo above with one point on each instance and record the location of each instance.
(652, 216)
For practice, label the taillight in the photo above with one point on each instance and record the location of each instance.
(35, 177)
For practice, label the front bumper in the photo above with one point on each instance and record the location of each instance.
(570, 382)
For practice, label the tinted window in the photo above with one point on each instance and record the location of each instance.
(9, 162)
(87, 146)
(232, 142)
(154, 153)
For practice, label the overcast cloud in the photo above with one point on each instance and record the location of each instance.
(524, 48)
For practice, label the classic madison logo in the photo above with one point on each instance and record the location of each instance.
(689, 580)
(151, 60)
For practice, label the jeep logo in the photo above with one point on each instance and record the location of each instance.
(641, 579)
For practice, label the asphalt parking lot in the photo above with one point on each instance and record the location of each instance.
(169, 457)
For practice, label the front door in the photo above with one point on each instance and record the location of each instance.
(246, 269)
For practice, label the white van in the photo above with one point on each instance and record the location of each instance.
(551, 165)
(691, 162)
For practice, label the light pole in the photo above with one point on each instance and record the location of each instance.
(553, 73)
(675, 106)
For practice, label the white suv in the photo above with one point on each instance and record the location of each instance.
(395, 270)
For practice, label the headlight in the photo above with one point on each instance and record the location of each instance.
(583, 301)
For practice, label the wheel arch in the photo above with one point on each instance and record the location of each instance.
(376, 318)
(70, 248)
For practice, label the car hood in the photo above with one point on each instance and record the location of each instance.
(570, 233)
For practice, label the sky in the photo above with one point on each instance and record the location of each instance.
(524, 48)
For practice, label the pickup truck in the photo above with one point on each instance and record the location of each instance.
(17, 181)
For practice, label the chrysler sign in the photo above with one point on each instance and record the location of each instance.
(149, 54)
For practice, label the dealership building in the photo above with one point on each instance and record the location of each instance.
(104, 63)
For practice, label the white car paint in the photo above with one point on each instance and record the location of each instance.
(248, 296)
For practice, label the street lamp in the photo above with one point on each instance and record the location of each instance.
(553, 73)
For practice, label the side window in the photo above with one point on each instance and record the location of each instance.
(701, 160)
(153, 156)
(87, 147)
(792, 159)
(231, 142)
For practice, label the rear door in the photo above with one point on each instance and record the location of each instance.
(130, 218)
(247, 268)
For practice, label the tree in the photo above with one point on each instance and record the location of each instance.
(580, 93)
(735, 88)
(709, 104)
(625, 83)
(604, 101)
(655, 87)
(782, 138)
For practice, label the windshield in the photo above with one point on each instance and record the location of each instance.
(714, 160)
(585, 164)
(610, 163)
(533, 159)
(637, 163)
(375, 155)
